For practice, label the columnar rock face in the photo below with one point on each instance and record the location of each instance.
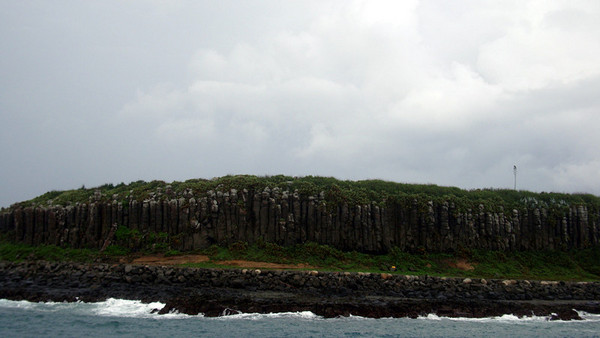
(288, 218)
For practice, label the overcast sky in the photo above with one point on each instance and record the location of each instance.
(451, 93)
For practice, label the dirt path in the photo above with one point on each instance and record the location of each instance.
(265, 265)
(171, 260)
(461, 264)
(175, 260)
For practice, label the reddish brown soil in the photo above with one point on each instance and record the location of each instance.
(172, 260)
(265, 265)
(175, 260)
(461, 264)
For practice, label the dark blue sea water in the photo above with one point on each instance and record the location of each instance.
(124, 318)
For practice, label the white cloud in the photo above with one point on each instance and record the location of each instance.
(453, 101)
(363, 86)
(578, 177)
(451, 93)
(187, 130)
(537, 51)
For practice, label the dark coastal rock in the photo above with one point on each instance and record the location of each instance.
(222, 292)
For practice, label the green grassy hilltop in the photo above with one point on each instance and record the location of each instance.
(364, 191)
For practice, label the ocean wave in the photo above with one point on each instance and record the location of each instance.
(109, 308)
(257, 316)
(589, 316)
(511, 318)
(503, 318)
(125, 308)
(113, 307)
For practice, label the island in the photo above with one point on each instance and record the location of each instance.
(364, 248)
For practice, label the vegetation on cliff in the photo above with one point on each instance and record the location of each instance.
(583, 264)
(421, 211)
(371, 216)
(359, 192)
(574, 265)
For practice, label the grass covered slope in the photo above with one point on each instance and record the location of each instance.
(365, 191)
(553, 265)
(574, 265)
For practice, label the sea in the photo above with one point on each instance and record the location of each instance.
(127, 318)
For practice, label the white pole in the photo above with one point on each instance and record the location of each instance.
(515, 172)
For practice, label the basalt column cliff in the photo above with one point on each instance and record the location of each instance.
(189, 220)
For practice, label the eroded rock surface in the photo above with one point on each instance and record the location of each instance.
(220, 292)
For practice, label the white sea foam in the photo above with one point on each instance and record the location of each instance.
(124, 308)
(109, 308)
(507, 318)
(46, 306)
(589, 316)
(431, 316)
(503, 318)
(511, 318)
(258, 316)
(136, 309)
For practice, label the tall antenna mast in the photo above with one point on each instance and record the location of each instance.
(515, 172)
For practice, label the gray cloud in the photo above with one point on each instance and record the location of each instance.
(414, 91)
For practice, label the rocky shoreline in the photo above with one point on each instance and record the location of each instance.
(216, 292)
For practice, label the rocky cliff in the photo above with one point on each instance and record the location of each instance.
(190, 220)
